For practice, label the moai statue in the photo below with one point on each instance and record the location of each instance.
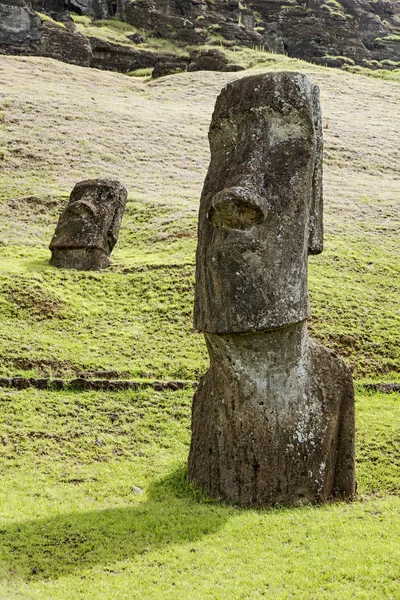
(88, 227)
(273, 418)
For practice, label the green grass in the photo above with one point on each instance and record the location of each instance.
(115, 31)
(136, 317)
(71, 524)
(144, 72)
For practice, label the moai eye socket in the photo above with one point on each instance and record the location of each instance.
(231, 211)
(83, 209)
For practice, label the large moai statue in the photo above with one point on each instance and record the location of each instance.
(273, 418)
(88, 227)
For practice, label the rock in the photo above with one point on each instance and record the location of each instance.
(143, 15)
(136, 38)
(274, 37)
(20, 383)
(171, 67)
(315, 29)
(98, 9)
(41, 384)
(363, 32)
(116, 57)
(273, 418)
(137, 490)
(88, 228)
(211, 60)
(57, 384)
(61, 43)
(242, 36)
(18, 23)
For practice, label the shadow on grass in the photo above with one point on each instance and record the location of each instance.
(50, 548)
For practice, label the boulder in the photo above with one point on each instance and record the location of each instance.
(19, 24)
(168, 67)
(61, 43)
(211, 60)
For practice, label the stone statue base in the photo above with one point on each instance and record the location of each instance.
(273, 420)
(81, 259)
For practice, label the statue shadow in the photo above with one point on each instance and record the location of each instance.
(174, 513)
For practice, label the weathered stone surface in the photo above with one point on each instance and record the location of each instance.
(273, 418)
(315, 29)
(165, 67)
(98, 9)
(88, 228)
(18, 23)
(63, 44)
(142, 14)
(116, 57)
(211, 60)
(261, 206)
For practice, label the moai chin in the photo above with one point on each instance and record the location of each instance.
(88, 227)
(273, 418)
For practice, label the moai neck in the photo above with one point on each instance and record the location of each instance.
(269, 369)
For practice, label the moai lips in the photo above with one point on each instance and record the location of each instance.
(261, 206)
(88, 227)
(273, 417)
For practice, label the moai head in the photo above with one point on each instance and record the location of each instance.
(88, 227)
(261, 206)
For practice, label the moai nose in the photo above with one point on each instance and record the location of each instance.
(235, 208)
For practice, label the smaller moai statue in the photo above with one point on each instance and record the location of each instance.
(273, 417)
(88, 227)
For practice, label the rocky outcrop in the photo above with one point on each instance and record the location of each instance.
(211, 60)
(273, 417)
(199, 60)
(88, 227)
(18, 23)
(328, 32)
(143, 15)
(320, 30)
(64, 44)
(116, 57)
(98, 9)
(23, 32)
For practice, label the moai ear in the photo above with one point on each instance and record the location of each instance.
(113, 230)
(316, 229)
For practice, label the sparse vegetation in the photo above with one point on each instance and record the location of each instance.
(44, 18)
(118, 32)
(144, 72)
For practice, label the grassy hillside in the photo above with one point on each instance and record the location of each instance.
(95, 502)
(136, 317)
